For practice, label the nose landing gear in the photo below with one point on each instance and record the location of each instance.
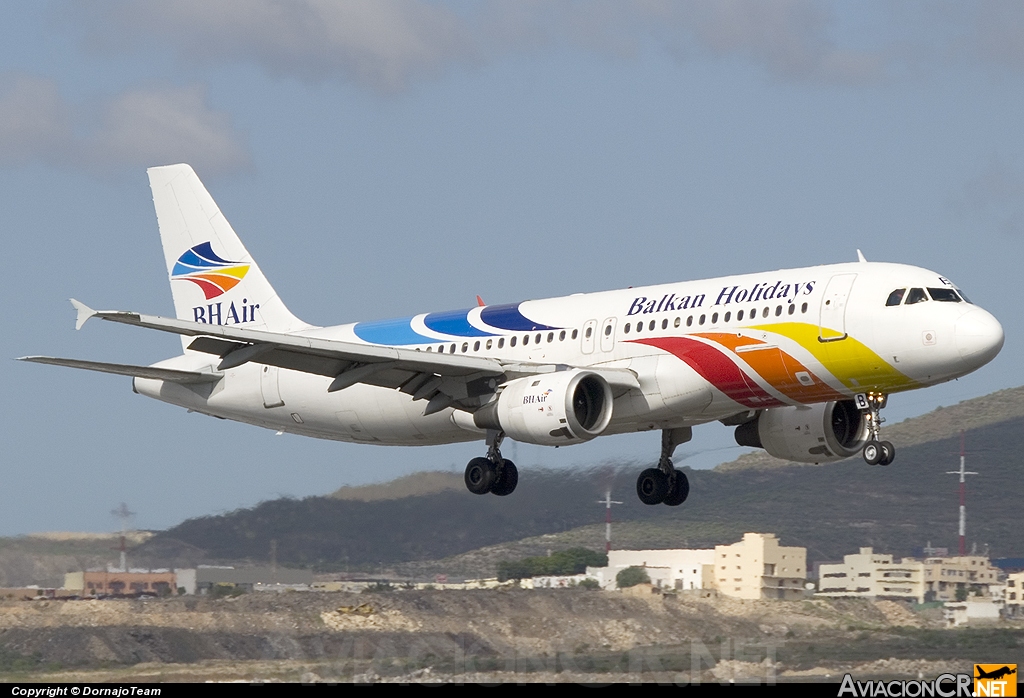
(876, 452)
(492, 474)
(665, 484)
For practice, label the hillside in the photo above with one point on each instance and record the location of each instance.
(830, 509)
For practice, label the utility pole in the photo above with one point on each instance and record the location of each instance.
(607, 501)
(963, 494)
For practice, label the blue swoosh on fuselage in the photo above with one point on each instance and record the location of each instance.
(454, 323)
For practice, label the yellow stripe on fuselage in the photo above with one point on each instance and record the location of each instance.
(850, 361)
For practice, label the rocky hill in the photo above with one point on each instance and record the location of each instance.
(428, 523)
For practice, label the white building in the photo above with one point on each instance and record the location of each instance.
(668, 569)
(1013, 595)
(759, 568)
(873, 575)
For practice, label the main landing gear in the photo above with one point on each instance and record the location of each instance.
(876, 452)
(665, 484)
(492, 474)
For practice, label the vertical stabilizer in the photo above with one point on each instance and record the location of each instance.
(213, 277)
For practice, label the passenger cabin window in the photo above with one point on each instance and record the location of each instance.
(945, 295)
(896, 297)
(916, 295)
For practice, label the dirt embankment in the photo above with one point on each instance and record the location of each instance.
(447, 636)
(510, 635)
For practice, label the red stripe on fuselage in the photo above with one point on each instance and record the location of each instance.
(716, 368)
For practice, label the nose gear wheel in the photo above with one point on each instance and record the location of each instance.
(876, 451)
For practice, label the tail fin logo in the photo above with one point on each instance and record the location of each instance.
(204, 268)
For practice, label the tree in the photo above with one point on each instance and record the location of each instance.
(571, 561)
(631, 576)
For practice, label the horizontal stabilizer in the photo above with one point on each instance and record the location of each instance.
(163, 374)
(84, 313)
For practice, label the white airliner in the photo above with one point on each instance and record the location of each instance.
(800, 361)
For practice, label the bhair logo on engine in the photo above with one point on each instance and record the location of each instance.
(215, 276)
(537, 399)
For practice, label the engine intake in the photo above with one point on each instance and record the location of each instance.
(821, 433)
(552, 409)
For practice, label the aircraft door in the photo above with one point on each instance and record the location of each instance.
(589, 330)
(832, 317)
(608, 334)
(270, 386)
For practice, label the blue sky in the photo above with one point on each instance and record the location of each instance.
(387, 158)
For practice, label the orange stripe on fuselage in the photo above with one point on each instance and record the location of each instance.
(776, 367)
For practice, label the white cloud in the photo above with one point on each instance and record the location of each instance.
(161, 126)
(386, 44)
(138, 128)
(34, 122)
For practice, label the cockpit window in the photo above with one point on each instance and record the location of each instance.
(896, 297)
(946, 295)
(916, 295)
(966, 299)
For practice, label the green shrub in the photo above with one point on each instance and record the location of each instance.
(571, 561)
(631, 576)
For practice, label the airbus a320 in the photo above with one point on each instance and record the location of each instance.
(799, 361)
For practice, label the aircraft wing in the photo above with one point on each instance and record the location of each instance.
(444, 379)
(164, 374)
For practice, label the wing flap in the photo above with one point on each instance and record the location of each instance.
(330, 349)
(465, 376)
(164, 374)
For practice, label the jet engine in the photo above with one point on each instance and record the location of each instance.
(821, 433)
(552, 409)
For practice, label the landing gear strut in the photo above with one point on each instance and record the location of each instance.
(665, 484)
(492, 474)
(876, 452)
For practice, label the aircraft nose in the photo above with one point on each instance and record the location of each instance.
(979, 337)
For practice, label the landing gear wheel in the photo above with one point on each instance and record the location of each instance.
(652, 486)
(888, 453)
(679, 489)
(480, 476)
(506, 482)
(873, 453)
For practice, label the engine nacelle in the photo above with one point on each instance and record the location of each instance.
(821, 433)
(552, 409)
